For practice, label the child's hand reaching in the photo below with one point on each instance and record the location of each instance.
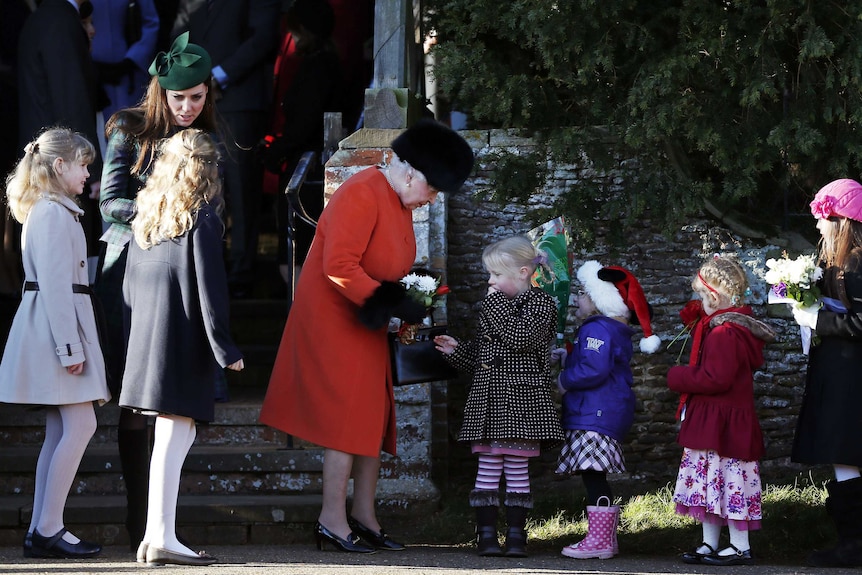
(445, 344)
(559, 355)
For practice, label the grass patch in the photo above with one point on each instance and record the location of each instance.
(794, 520)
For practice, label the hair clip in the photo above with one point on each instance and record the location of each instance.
(32, 148)
(541, 258)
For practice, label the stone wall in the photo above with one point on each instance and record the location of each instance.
(665, 267)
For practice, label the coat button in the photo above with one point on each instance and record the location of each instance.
(82, 263)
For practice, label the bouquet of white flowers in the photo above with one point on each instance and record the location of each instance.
(423, 288)
(794, 282)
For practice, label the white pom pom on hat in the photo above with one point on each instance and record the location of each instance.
(618, 296)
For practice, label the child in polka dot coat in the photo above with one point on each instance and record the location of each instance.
(510, 413)
(598, 401)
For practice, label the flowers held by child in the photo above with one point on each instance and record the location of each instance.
(794, 281)
(424, 289)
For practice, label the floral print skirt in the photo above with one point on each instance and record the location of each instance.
(722, 490)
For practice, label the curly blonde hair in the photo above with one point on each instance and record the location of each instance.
(727, 276)
(184, 177)
(34, 177)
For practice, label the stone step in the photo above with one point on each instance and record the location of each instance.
(207, 469)
(236, 423)
(202, 519)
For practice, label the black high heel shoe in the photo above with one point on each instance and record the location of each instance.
(377, 540)
(350, 545)
(28, 544)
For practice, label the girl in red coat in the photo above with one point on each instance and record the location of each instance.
(719, 476)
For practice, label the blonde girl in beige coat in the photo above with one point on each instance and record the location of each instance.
(52, 357)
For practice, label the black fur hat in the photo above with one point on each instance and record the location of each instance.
(438, 152)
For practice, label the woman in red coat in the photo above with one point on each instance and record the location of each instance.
(331, 383)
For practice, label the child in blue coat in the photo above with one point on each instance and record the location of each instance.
(598, 401)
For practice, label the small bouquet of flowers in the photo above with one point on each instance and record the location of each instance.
(424, 289)
(794, 282)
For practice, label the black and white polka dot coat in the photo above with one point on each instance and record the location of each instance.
(510, 396)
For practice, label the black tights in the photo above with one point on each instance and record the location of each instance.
(596, 483)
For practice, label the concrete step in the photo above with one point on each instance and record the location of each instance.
(202, 519)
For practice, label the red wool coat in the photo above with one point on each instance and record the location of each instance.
(720, 413)
(331, 383)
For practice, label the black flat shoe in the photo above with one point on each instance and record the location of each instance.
(695, 558)
(28, 545)
(377, 540)
(56, 546)
(738, 558)
(350, 545)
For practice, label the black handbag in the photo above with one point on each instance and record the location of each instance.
(418, 361)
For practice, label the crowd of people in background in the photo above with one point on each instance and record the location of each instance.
(75, 63)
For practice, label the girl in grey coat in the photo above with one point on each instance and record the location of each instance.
(52, 356)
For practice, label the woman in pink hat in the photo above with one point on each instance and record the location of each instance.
(830, 425)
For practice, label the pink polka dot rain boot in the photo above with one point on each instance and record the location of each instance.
(600, 542)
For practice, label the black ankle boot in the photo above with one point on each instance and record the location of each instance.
(844, 506)
(487, 505)
(134, 446)
(517, 506)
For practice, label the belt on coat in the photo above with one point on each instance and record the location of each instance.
(98, 312)
(76, 288)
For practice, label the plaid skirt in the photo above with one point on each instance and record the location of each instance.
(590, 450)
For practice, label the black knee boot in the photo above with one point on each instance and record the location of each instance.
(134, 445)
(844, 506)
(517, 505)
(487, 504)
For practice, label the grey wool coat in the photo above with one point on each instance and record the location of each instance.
(510, 395)
(53, 327)
(177, 322)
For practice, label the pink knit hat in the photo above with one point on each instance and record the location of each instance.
(839, 198)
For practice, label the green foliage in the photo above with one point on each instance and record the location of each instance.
(739, 102)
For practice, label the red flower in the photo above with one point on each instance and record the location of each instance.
(442, 290)
(692, 312)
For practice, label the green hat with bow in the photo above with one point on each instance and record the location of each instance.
(184, 66)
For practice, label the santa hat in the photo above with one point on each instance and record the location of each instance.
(615, 293)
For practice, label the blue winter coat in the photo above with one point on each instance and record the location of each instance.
(598, 379)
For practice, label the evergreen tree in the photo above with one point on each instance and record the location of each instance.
(751, 105)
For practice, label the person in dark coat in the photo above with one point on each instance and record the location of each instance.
(829, 425)
(177, 326)
(57, 87)
(308, 83)
(241, 36)
(509, 412)
(178, 96)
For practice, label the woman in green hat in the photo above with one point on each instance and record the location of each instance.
(177, 97)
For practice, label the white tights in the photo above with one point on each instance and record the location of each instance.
(173, 437)
(68, 429)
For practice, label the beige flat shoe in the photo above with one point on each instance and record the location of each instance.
(158, 556)
(141, 555)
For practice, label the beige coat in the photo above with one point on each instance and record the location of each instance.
(53, 327)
